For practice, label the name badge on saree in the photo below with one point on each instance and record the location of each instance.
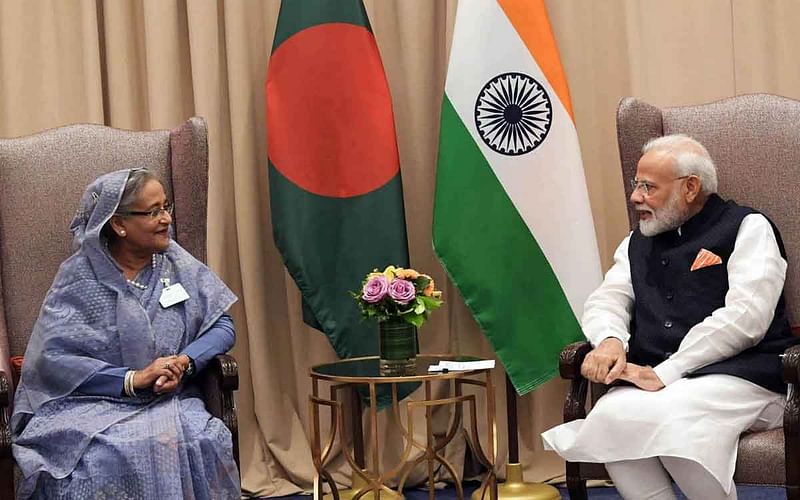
(171, 295)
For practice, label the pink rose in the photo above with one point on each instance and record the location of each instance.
(375, 289)
(402, 291)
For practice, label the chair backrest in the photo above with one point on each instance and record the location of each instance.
(42, 177)
(755, 143)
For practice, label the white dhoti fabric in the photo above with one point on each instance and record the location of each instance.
(698, 419)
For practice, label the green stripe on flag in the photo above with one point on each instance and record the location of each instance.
(297, 15)
(497, 265)
(330, 244)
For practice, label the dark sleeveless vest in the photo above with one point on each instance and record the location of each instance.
(671, 299)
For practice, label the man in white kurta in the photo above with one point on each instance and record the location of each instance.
(672, 424)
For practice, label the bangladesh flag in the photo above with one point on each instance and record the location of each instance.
(512, 223)
(335, 190)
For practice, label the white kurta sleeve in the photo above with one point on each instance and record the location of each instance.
(756, 273)
(607, 312)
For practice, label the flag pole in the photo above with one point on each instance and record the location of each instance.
(514, 488)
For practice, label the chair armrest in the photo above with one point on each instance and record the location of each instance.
(571, 359)
(5, 395)
(225, 370)
(791, 419)
(569, 365)
(791, 365)
(218, 380)
(5, 430)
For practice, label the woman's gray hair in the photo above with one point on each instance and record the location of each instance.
(133, 187)
(691, 158)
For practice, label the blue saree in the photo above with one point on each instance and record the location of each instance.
(71, 445)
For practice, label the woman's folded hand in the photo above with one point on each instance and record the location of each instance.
(161, 375)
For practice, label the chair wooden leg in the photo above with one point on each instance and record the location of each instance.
(575, 485)
(793, 493)
(7, 478)
(577, 489)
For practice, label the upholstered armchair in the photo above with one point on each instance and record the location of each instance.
(42, 177)
(755, 142)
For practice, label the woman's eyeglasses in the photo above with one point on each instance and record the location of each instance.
(153, 214)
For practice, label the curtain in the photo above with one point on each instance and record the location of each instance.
(145, 64)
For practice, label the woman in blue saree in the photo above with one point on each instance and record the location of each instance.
(106, 407)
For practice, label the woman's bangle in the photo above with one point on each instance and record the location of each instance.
(128, 384)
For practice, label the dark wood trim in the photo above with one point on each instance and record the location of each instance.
(218, 381)
(6, 458)
(791, 422)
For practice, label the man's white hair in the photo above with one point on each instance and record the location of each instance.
(691, 158)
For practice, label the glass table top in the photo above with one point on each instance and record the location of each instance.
(369, 368)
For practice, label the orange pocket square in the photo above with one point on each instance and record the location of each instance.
(705, 258)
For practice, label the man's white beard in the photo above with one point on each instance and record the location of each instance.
(666, 218)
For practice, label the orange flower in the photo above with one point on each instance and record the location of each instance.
(430, 289)
(406, 274)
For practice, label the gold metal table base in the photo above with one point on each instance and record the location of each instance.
(371, 483)
(360, 484)
(516, 489)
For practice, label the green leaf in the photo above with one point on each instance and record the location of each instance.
(410, 309)
(420, 283)
(415, 319)
(430, 302)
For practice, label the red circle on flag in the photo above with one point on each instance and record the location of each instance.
(329, 112)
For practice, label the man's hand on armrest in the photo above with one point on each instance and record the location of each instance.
(606, 362)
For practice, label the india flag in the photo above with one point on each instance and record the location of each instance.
(512, 222)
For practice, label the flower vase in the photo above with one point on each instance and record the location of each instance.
(398, 347)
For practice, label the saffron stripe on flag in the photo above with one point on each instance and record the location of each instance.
(529, 18)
